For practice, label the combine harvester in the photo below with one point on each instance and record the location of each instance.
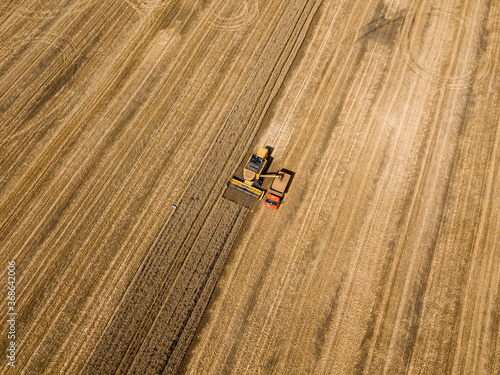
(253, 175)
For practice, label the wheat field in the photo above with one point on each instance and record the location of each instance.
(122, 121)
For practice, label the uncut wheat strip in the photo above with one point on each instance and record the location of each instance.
(117, 317)
(198, 312)
(174, 314)
(170, 318)
(196, 316)
(194, 232)
(162, 299)
(140, 336)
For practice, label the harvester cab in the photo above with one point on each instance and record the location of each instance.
(255, 166)
(252, 175)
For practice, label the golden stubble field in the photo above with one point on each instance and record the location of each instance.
(385, 255)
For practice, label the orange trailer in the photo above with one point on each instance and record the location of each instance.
(277, 190)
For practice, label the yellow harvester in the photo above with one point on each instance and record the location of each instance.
(252, 175)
